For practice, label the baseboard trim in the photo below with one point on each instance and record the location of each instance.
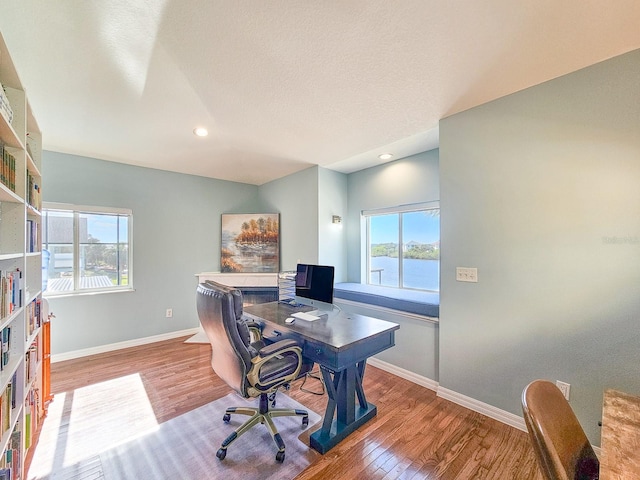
(483, 408)
(406, 374)
(455, 397)
(85, 352)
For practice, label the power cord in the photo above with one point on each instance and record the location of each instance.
(316, 376)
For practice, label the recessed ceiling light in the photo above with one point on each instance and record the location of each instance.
(385, 156)
(200, 132)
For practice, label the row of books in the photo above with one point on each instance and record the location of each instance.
(8, 168)
(11, 462)
(31, 416)
(32, 359)
(34, 197)
(10, 292)
(33, 232)
(5, 347)
(7, 404)
(34, 316)
(5, 106)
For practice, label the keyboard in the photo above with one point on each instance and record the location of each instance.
(305, 316)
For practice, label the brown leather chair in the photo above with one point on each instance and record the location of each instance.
(252, 369)
(561, 446)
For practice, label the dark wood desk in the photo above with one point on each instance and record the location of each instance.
(620, 445)
(340, 344)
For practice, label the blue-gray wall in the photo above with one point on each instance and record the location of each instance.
(540, 191)
(176, 234)
(409, 180)
(306, 201)
(295, 197)
(332, 238)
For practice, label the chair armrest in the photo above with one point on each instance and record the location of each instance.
(276, 353)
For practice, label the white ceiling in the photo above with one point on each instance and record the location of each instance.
(286, 84)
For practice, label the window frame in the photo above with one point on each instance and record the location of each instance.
(399, 210)
(76, 211)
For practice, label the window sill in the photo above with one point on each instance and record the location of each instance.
(411, 301)
(83, 293)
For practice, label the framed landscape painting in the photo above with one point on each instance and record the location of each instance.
(250, 243)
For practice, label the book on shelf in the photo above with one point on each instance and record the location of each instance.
(33, 229)
(5, 347)
(33, 191)
(5, 106)
(27, 430)
(8, 169)
(5, 407)
(32, 359)
(8, 403)
(11, 291)
(34, 316)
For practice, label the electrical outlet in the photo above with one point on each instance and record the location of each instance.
(564, 388)
(169, 312)
(466, 274)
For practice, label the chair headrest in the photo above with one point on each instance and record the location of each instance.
(237, 295)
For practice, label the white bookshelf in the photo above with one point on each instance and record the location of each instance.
(21, 333)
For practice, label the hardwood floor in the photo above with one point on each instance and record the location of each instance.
(416, 435)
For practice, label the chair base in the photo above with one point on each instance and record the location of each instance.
(262, 414)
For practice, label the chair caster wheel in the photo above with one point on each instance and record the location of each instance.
(280, 457)
(221, 453)
(305, 421)
(226, 418)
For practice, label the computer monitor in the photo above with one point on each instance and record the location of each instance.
(314, 285)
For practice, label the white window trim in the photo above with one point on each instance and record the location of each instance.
(400, 209)
(86, 208)
(412, 207)
(76, 209)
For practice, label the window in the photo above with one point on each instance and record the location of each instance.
(87, 249)
(403, 247)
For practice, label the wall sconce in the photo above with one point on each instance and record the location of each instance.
(336, 219)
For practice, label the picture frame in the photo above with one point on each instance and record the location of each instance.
(250, 243)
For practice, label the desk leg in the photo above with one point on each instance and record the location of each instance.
(342, 389)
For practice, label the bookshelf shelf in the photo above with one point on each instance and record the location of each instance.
(7, 195)
(8, 134)
(22, 337)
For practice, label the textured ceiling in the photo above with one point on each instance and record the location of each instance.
(283, 85)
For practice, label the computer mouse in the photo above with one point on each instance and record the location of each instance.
(290, 320)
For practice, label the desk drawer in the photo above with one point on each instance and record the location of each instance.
(315, 351)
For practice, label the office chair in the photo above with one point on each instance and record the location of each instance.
(561, 447)
(252, 369)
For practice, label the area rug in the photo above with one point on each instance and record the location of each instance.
(102, 437)
(185, 447)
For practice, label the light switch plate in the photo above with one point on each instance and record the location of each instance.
(466, 274)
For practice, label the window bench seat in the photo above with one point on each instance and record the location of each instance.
(412, 301)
